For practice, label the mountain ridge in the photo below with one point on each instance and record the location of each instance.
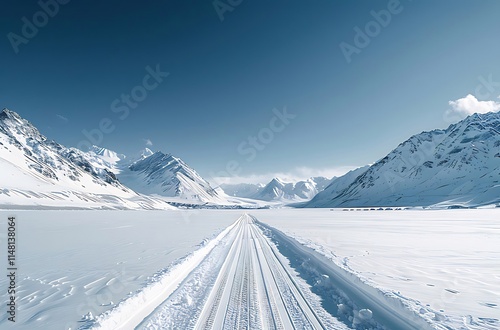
(278, 189)
(39, 172)
(457, 166)
(166, 175)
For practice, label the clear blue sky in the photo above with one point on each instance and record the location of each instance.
(225, 77)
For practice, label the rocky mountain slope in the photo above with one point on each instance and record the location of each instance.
(454, 167)
(38, 172)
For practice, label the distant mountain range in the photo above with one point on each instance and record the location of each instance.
(244, 190)
(278, 190)
(455, 167)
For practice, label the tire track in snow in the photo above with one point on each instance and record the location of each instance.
(288, 309)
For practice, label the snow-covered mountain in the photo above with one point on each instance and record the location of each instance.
(244, 190)
(458, 166)
(42, 173)
(107, 155)
(156, 173)
(165, 175)
(278, 190)
(146, 152)
(336, 186)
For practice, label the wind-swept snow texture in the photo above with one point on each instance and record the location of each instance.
(75, 264)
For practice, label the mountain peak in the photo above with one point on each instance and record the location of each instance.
(486, 119)
(107, 155)
(14, 125)
(279, 190)
(52, 162)
(166, 175)
(146, 152)
(6, 113)
(277, 180)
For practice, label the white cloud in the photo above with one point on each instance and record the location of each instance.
(470, 104)
(297, 174)
(148, 142)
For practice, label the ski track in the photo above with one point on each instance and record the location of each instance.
(241, 281)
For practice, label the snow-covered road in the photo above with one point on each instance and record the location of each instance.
(243, 283)
(239, 280)
(254, 288)
(251, 276)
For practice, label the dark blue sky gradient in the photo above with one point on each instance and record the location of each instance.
(226, 77)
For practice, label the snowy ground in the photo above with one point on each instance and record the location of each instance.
(436, 265)
(75, 262)
(447, 260)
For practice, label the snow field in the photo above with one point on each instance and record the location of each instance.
(361, 270)
(77, 263)
(442, 264)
